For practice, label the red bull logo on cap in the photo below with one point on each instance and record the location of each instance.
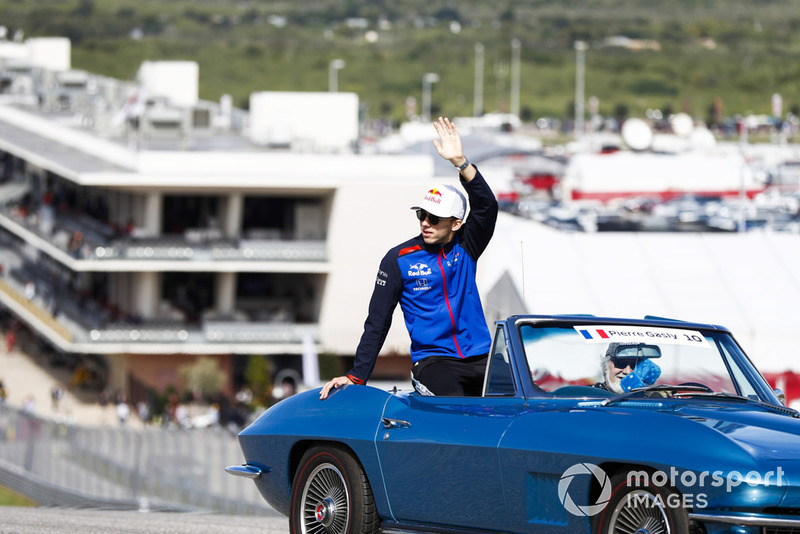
(434, 195)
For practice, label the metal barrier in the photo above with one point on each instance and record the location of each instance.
(59, 464)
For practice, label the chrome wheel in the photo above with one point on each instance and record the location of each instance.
(325, 502)
(639, 512)
(331, 494)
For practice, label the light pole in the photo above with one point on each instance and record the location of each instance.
(333, 74)
(515, 65)
(478, 106)
(427, 80)
(580, 50)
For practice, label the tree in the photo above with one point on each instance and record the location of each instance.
(85, 9)
(204, 376)
(258, 376)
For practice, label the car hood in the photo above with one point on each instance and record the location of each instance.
(697, 435)
(764, 434)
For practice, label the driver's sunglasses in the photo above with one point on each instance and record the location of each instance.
(622, 363)
(433, 219)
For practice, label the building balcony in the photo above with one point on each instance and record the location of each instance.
(216, 250)
(98, 244)
(85, 329)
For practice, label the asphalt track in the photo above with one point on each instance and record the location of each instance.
(20, 520)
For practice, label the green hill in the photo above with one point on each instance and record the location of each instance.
(681, 54)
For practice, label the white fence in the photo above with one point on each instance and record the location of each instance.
(57, 464)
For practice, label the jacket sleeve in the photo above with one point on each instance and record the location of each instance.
(385, 296)
(479, 226)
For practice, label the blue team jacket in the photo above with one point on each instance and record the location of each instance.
(435, 287)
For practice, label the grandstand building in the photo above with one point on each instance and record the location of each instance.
(141, 227)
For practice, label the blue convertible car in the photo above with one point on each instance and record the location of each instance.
(586, 424)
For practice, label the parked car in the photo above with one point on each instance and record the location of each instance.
(586, 424)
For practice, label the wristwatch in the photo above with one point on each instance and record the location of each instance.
(463, 165)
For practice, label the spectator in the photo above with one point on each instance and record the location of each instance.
(123, 411)
(11, 338)
(76, 243)
(244, 395)
(56, 394)
(29, 404)
(143, 410)
(30, 290)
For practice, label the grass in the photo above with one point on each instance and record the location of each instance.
(10, 498)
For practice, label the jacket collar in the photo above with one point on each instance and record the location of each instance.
(434, 249)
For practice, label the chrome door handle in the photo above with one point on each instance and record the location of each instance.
(394, 423)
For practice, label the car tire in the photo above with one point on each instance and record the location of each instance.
(331, 495)
(641, 507)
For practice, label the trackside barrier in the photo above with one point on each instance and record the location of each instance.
(59, 464)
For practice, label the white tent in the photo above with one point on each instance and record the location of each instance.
(748, 282)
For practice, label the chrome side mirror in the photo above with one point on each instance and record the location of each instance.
(781, 395)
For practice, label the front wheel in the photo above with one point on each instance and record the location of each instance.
(331, 495)
(642, 508)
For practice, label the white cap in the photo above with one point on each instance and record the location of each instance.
(444, 201)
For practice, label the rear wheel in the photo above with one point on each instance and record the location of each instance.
(644, 508)
(331, 495)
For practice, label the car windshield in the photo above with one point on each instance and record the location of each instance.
(588, 359)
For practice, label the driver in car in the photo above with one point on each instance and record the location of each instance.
(622, 374)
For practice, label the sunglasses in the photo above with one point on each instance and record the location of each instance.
(622, 363)
(433, 219)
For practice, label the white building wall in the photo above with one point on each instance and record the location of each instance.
(50, 53)
(368, 218)
(305, 120)
(177, 81)
(13, 51)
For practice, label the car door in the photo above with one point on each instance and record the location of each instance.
(539, 454)
(440, 462)
(439, 455)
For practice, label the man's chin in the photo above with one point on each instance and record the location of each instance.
(614, 387)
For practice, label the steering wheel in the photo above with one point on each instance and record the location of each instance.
(697, 384)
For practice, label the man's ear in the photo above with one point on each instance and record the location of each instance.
(457, 224)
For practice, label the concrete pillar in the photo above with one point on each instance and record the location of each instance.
(225, 301)
(232, 225)
(148, 293)
(151, 221)
(118, 369)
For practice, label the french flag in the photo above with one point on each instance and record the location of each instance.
(595, 333)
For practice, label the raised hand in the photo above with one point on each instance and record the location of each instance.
(449, 143)
(449, 147)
